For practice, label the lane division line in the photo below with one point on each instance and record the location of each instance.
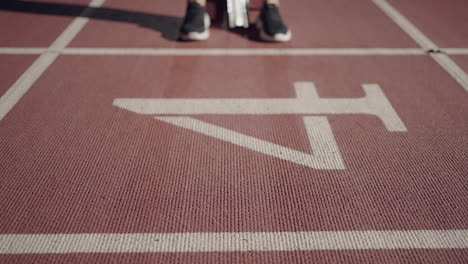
(30, 76)
(442, 59)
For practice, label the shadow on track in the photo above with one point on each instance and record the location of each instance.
(168, 25)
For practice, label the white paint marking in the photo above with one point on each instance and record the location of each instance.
(231, 242)
(22, 51)
(26, 80)
(325, 152)
(452, 68)
(240, 52)
(455, 51)
(307, 102)
(444, 61)
(30, 76)
(231, 52)
(406, 25)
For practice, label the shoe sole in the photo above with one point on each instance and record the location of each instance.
(280, 37)
(199, 35)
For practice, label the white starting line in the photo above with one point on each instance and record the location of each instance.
(231, 51)
(242, 52)
(229, 242)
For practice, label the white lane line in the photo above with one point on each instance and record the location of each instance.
(451, 67)
(240, 52)
(22, 51)
(232, 52)
(26, 80)
(229, 242)
(406, 25)
(29, 77)
(444, 61)
(455, 51)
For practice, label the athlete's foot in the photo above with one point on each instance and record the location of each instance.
(270, 25)
(196, 23)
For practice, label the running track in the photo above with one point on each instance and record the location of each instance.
(348, 144)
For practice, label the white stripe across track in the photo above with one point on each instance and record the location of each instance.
(228, 242)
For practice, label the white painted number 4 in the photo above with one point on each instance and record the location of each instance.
(325, 152)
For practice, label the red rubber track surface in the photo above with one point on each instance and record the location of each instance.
(443, 22)
(11, 68)
(72, 162)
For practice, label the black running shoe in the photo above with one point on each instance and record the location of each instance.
(196, 23)
(271, 26)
